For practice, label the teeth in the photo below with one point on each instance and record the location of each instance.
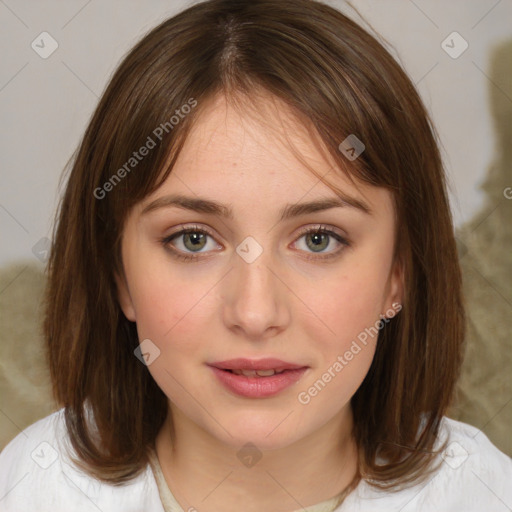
(259, 373)
(265, 373)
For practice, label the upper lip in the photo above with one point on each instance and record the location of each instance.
(268, 363)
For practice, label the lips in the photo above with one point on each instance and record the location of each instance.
(257, 387)
(257, 378)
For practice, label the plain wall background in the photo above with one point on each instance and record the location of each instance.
(45, 104)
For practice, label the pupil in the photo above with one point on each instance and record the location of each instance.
(318, 239)
(196, 239)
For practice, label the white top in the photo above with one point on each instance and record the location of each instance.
(37, 474)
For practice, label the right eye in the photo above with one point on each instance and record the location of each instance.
(188, 243)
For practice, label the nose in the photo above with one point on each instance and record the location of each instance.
(255, 299)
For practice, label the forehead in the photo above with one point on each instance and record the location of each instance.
(258, 152)
(241, 130)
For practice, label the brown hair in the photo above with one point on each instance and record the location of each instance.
(342, 81)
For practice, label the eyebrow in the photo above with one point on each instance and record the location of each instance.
(208, 206)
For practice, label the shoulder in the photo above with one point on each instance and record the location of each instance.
(473, 472)
(37, 473)
(472, 475)
(470, 450)
(31, 448)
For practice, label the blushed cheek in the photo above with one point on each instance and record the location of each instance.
(173, 316)
(157, 310)
(346, 305)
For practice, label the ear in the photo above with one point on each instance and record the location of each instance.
(124, 298)
(396, 286)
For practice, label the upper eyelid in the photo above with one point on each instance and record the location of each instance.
(322, 226)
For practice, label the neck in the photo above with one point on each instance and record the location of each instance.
(208, 475)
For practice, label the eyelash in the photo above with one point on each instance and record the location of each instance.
(321, 229)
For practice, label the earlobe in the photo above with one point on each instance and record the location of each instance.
(124, 298)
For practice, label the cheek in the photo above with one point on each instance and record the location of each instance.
(170, 307)
(345, 306)
(345, 338)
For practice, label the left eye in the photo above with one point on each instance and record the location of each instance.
(188, 243)
(319, 239)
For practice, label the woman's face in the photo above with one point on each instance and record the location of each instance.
(255, 280)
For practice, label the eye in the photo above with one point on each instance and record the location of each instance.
(319, 238)
(192, 239)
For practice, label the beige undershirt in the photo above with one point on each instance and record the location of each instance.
(171, 505)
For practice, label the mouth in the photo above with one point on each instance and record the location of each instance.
(256, 367)
(257, 378)
(254, 373)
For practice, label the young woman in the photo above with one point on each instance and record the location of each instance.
(254, 298)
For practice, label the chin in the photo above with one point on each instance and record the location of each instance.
(266, 430)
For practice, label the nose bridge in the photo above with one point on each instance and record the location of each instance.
(255, 297)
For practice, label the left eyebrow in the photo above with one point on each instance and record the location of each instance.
(211, 207)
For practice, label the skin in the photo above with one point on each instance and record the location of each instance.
(283, 305)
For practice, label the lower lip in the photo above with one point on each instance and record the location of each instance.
(258, 387)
